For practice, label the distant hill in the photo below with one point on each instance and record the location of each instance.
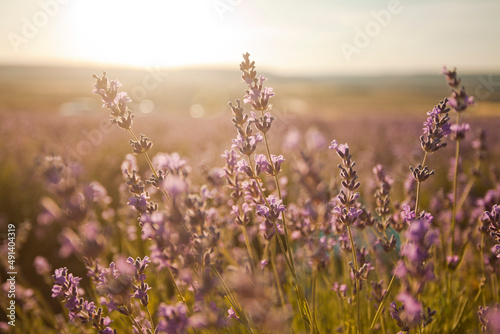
(67, 89)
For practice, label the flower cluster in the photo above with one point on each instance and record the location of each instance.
(415, 269)
(491, 219)
(173, 318)
(270, 212)
(489, 318)
(347, 211)
(459, 100)
(116, 102)
(436, 127)
(80, 310)
(382, 193)
(257, 95)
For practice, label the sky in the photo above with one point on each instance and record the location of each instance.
(288, 37)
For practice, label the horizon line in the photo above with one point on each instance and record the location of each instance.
(233, 68)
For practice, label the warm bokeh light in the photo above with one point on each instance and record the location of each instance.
(174, 33)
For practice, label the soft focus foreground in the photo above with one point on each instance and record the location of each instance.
(260, 219)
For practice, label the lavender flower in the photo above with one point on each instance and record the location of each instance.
(435, 128)
(41, 265)
(172, 163)
(489, 318)
(80, 310)
(417, 270)
(421, 173)
(175, 186)
(262, 123)
(275, 166)
(459, 100)
(382, 192)
(142, 145)
(346, 211)
(261, 164)
(270, 212)
(341, 149)
(459, 130)
(412, 309)
(492, 219)
(174, 319)
(340, 289)
(232, 314)
(257, 94)
(231, 158)
(273, 211)
(114, 101)
(451, 77)
(247, 145)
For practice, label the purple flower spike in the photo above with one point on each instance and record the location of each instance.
(436, 127)
(277, 161)
(261, 164)
(60, 276)
(412, 307)
(262, 210)
(459, 130)
(342, 149)
(173, 318)
(491, 221)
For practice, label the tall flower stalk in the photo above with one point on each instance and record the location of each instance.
(271, 208)
(459, 101)
(117, 103)
(436, 127)
(258, 97)
(347, 213)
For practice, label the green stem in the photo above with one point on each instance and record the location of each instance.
(483, 269)
(353, 247)
(278, 188)
(276, 276)
(151, 319)
(249, 247)
(139, 327)
(257, 180)
(379, 310)
(465, 193)
(150, 163)
(455, 191)
(232, 300)
(315, 274)
(494, 285)
(417, 196)
(181, 297)
(303, 305)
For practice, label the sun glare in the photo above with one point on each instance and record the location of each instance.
(147, 33)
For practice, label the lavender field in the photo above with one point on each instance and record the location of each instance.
(327, 205)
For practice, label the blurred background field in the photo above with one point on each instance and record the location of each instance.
(51, 110)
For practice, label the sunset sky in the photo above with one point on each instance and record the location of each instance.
(315, 37)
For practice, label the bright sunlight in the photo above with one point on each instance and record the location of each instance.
(167, 33)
